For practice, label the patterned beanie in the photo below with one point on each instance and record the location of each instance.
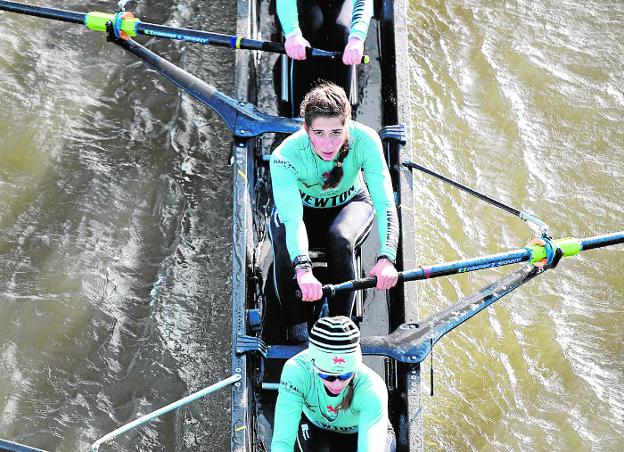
(334, 345)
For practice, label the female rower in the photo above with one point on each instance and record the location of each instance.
(328, 400)
(339, 25)
(321, 201)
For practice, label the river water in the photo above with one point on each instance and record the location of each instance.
(523, 101)
(115, 230)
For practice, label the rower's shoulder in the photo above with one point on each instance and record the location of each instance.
(297, 370)
(300, 363)
(360, 131)
(291, 146)
(369, 379)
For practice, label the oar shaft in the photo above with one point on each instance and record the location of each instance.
(532, 253)
(218, 39)
(40, 11)
(198, 36)
(602, 240)
(133, 27)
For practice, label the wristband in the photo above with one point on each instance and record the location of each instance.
(302, 262)
(384, 256)
(303, 267)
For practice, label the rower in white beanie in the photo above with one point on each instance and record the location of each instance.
(328, 399)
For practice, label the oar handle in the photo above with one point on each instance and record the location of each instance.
(329, 290)
(274, 47)
(334, 55)
(268, 46)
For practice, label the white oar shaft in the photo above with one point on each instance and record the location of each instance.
(172, 406)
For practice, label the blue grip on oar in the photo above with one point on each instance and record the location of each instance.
(117, 21)
(553, 252)
(235, 42)
(548, 248)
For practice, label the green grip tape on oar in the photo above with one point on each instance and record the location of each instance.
(97, 21)
(571, 246)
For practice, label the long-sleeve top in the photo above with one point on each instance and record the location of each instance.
(297, 175)
(302, 391)
(360, 18)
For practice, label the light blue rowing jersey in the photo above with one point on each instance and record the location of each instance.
(360, 18)
(297, 175)
(302, 391)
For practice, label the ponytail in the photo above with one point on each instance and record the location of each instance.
(333, 177)
(348, 398)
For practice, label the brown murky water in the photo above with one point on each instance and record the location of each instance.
(115, 227)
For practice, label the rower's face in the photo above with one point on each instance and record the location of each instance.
(336, 386)
(327, 135)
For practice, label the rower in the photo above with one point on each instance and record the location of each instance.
(339, 25)
(328, 399)
(321, 200)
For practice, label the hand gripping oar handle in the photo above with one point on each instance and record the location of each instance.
(333, 55)
(569, 246)
(133, 26)
(329, 290)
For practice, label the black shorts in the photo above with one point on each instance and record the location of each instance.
(339, 231)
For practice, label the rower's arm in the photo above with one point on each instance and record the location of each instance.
(380, 187)
(288, 16)
(288, 409)
(373, 417)
(289, 205)
(360, 19)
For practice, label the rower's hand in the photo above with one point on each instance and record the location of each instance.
(296, 47)
(537, 241)
(353, 51)
(311, 288)
(386, 274)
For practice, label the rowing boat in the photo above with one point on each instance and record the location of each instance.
(394, 341)
(382, 103)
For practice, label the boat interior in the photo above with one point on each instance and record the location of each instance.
(380, 99)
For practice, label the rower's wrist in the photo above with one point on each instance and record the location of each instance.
(386, 257)
(296, 33)
(302, 264)
(302, 269)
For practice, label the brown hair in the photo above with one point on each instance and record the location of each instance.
(325, 99)
(348, 398)
(330, 101)
(333, 177)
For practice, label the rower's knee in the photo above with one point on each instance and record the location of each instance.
(339, 244)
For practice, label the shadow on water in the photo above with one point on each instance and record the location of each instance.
(115, 236)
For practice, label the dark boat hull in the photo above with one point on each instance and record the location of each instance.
(383, 96)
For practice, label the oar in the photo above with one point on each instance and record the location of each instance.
(133, 26)
(243, 119)
(531, 253)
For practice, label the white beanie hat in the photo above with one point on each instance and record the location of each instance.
(334, 345)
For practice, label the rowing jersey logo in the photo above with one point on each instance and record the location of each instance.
(338, 360)
(331, 409)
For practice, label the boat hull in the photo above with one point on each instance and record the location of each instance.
(383, 95)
